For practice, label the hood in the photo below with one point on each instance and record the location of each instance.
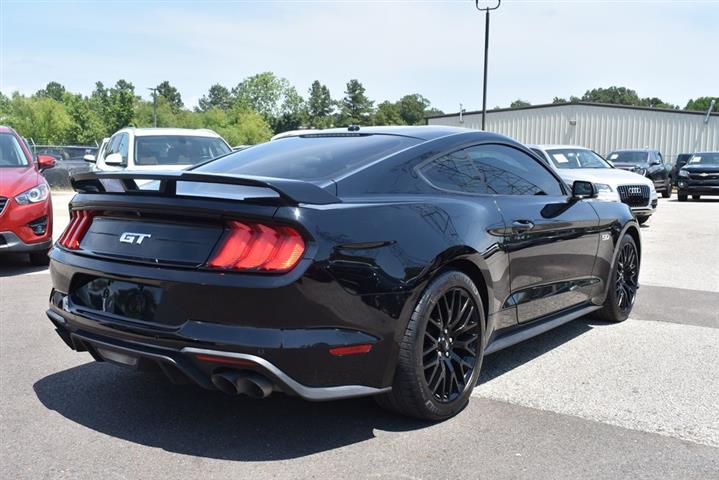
(699, 168)
(15, 180)
(609, 176)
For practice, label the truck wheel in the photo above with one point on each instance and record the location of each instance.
(667, 189)
(682, 197)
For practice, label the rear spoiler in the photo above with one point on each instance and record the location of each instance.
(292, 191)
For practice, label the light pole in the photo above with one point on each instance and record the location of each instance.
(154, 105)
(486, 51)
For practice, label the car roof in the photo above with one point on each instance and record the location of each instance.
(5, 129)
(192, 132)
(635, 150)
(710, 152)
(422, 132)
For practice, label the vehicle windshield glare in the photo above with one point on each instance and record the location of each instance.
(708, 158)
(310, 157)
(629, 157)
(11, 153)
(572, 158)
(177, 149)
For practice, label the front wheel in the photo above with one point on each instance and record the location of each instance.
(667, 189)
(441, 353)
(682, 197)
(623, 283)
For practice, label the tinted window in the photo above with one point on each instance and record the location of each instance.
(576, 158)
(112, 145)
(11, 153)
(310, 157)
(491, 169)
(177, 149)
(123, 145)
(628, 157)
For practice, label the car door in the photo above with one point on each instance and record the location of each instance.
(551, 239)
(656, 171)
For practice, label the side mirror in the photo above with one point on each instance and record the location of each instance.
(45, 161)
(654, 162)
(114, 159)
(582, 189)
(89, 158)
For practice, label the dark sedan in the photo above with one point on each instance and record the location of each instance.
(340, 263)
(700, 176)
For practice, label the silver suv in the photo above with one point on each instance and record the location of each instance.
(615, 185)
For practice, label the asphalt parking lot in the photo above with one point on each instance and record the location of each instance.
(588, 400)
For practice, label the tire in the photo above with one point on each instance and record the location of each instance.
(616, 308)
(642, 220)
(682, 197)
(424, 362)
(39, 259)
(696, 197)
(667, 189)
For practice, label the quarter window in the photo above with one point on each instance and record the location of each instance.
(491, 169)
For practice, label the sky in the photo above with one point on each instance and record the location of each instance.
(538, 49)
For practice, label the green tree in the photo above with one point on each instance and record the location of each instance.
(217, 97)
(170, 93)
(388, 113)
(237, 125)
(120, 105)
(52, 90)
(356, 108)
(614, 95)
(272, 97)
(319, 106)
(519, 103)
(86, 126)
(43, 119)
(559, 100)
(701, 104)
(293, 113)
(413, 109)
(655, 102)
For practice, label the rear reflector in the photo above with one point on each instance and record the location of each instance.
(80, 221)
(227, 360)
(254, 246)
(351, 350)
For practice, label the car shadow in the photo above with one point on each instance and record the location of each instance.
(12, 264)
(701, 200)
(146, 409)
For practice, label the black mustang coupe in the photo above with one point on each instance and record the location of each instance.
(379, 261)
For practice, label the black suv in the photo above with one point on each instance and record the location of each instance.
(648, 163)
(700, 176)
(682, 160)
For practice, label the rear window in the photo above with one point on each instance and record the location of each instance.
(310, 157)
(11, 153)
(177, 149)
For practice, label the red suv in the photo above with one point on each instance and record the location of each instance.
(25, 203)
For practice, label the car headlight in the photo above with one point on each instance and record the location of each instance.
(683, 173)
(603, 188)
(34, 195)
(640, 170)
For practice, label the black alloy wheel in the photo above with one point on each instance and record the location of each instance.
(627, 280)
(451, 345)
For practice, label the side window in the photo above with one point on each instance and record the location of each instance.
(491, 169)
(111, 146)
(661, 159)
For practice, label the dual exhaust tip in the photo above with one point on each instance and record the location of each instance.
(242, 382)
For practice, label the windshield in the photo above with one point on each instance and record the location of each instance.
(571, 158)
(177, 149)
(629, 157)
(707, 158)
(11, 153)
(310, 157)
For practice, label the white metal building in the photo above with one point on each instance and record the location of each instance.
(601, 127)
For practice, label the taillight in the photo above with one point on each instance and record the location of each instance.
(80, 221)
(254, 246)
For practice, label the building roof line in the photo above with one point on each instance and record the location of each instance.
(587, 104)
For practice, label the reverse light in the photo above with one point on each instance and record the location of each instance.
(80, 221)
(34, 195)
(254, 246)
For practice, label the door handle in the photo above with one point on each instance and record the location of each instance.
(519, 226)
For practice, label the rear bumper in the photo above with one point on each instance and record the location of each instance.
(187, 362)
(10, 242)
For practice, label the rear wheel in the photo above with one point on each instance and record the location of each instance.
(682, 197)
(623, 283)
(667, 189)
(39, 258)
(441, 353)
